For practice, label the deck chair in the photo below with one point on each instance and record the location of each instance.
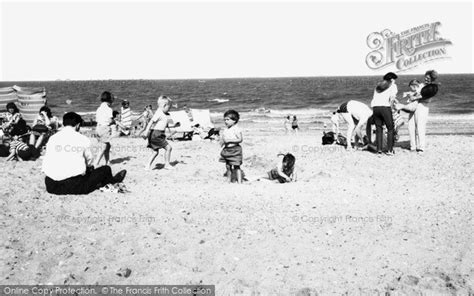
(185, 127)
(30, 101)
(203, 118)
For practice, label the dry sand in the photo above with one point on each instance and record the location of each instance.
(353, 223)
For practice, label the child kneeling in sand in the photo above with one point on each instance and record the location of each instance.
(230, 140)
(155, 132)
(284, 171)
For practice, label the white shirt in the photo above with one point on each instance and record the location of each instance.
(335, 123)
(67, 154)
(232, 133)
(160, 119)
(383, 99)
(104, 114)
(358, 110)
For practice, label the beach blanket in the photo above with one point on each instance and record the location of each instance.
(202, 117)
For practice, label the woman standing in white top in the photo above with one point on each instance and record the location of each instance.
(104, 118)
(385, 92)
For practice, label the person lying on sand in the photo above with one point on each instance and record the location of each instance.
(19, 150)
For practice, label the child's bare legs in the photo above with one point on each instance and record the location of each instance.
(32, 140)
(142, 128)
(229, 172)
(168, 150)
(39, 141)
(150, 161)
(105, 152)
(238, 172)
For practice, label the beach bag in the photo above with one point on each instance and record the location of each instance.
(213, 132)
(341, 140)
(328, 138)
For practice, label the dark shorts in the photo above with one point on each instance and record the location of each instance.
(231, 155)
(294, 126)
(342, 108)
(157, 140)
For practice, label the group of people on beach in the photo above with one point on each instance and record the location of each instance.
(385, 110)
(70, 166)
(291, 124)
(26, 142)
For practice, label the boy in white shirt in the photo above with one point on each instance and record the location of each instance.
(155, 132)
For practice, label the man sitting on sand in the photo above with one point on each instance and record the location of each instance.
(356, 115)
(68, 159)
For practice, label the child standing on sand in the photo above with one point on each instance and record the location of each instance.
(155, 132)
(104, 119)
(126, 117)
(230, 140)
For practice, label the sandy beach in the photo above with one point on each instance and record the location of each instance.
(353, 223)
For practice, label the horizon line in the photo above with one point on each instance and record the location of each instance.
(217, 78)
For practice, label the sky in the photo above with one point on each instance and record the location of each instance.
(176, 40)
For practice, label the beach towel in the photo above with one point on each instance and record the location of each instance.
(30, 101)
(7, 95)
(202, 117)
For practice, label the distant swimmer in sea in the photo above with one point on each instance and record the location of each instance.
(287, 124)
(294, 124)
(356, 115)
